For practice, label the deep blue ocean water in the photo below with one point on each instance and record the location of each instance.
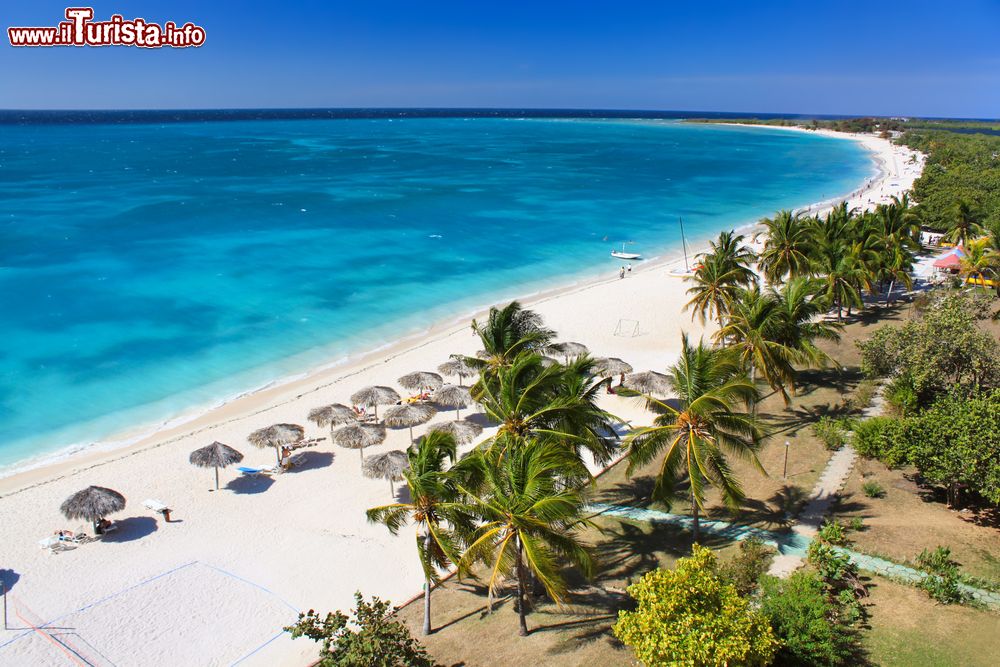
(148, 268)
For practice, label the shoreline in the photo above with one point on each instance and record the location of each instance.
(29, 472)
(297, 540)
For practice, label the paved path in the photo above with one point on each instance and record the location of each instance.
(793, 544)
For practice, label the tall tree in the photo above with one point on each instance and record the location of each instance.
(980, 262)
(714, 290)
(507, 332)
(432, 507)
(786, 250)
(965, 222)
(528, 519)
(695, 432)
(530, 399)
(755, 333)
(801, 323)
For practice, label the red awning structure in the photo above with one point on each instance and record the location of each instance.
(951, 259)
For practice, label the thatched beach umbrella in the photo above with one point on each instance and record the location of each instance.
(453, 396)
(568, 350)
(332, 415)
(457, 366)
(648, 382)
(359, 436)
(375, 396)
(409, 415)
(93, 504)
(462, 430)
(388, 466)
(611, 366)
(216, 455)
(277, 436)
(420, 379)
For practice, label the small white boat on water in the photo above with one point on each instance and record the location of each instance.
(621, 254)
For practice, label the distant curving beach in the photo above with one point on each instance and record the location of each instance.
(301, 540)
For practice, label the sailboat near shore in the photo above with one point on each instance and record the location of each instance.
(621, 254)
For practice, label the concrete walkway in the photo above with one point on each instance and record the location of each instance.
(792, 545)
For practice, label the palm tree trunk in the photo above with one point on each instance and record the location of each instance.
(523, 631)
(427, 591)
(888, 294)
(694, 512)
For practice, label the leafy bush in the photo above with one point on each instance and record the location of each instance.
(943, 350)
(745, 568)
(831, 432)
(873, 489)
(857, 524)
(690, 615)
(877, 438)
(943, 576)
(862, 395)
(902, 396)
(833, 566)
(377, 641)
(813, 628)
(832, 532)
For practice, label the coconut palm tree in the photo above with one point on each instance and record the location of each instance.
(530, 399)
(801, 324)
(980, 262)
(786, 250)
(844, 270)
(730, 250)
(507, 332)
(714, 290)
(528, 519)
(965, 222)
(432, 507)
(755, 333)
(695, 434)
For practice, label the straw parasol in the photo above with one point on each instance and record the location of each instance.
(453, 396)
(568, 350)
(375, 396)
(462, 430)
(277, 436)
(93, 504)
(409, 415)
(457, 366)
(332, 415)
(611, 366)
(388, 466)
(359, 436)
(216, 455)
(648, 382)
(420, 379)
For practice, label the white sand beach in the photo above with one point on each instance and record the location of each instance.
(216, 584)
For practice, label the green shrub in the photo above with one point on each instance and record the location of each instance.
(372, 637)
(832, 532)
(878, 438)
(831, 432)
(813, 629)
(691, 615)
(902, 396)
(745, 568)
(943, 576)
(857, 524)
(833, 566)
(873, 489)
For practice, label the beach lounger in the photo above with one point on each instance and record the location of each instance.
(250, 472)
(158, 506)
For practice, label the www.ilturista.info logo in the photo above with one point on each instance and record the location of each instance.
(81, 30)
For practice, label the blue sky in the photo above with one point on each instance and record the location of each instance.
(887, 58)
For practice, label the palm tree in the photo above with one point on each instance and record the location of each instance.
(432, 507)
(786, 250)
(979, 261)
(801, 322)
(844, 271)
(529, 399)
(835, 228)
(704, 426)
(528, 520)
(507, 332)
(714, 290)
(733, 254)
(754, 333)
(964, 223)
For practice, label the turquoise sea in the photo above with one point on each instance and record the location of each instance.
(148, 268)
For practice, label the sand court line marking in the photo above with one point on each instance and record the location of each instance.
(40, 628)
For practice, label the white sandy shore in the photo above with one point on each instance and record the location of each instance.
(219, 581)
